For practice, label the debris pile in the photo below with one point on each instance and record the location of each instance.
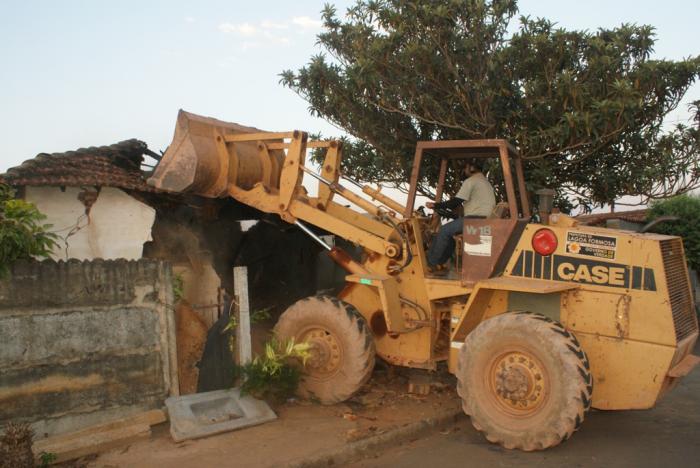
(386, 400)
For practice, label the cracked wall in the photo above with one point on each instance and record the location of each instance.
(107, 224)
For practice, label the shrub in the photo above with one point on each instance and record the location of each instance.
(687, 209)
(274, 376)
(22, 235)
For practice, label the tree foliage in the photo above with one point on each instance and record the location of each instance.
(22, 234)
(687, 209)
(585, 108)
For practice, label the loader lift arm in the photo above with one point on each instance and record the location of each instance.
(265, 170)
(290, 201)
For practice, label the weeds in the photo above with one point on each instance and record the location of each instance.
(230, 328)
(178, 286)
(260, 315)
(257, 316)
(47, 458)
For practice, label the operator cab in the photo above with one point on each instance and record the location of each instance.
(484, 244)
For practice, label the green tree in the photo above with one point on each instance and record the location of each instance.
(585, 108)
(687, 209)
(22, 235)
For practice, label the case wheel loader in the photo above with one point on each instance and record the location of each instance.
(545, 321)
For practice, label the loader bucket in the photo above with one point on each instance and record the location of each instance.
(194, 162)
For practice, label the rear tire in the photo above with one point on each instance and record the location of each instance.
(342, 349)
(524, 380)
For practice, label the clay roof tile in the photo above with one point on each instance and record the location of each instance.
(597, 219)
(117, 165)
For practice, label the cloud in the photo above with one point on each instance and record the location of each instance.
(306, 22)
(229, 62)
(281, 40)
(247, 45)
(189, 19)
(268, 32)
(267, 24)
(242, 29)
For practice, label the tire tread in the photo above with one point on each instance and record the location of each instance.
(360, 344)
(576, 364)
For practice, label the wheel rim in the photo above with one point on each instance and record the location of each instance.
(519, 383)
(326, 352)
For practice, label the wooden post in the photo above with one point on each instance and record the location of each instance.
(240, 288)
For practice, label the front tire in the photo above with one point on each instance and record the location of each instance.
(524, 380)
(342, 348)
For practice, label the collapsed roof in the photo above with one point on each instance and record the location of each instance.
(599, 219)
(117, 165)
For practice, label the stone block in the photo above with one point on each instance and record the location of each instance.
(419, 384)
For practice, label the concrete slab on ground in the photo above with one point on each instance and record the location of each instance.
(204, 414)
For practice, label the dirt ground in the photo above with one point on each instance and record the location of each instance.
(668, 435)
(303, 430)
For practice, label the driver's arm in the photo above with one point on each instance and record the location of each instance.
(461, 196)
(450, 204)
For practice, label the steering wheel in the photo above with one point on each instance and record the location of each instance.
(446, 213)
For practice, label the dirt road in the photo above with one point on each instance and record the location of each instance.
(667, 436)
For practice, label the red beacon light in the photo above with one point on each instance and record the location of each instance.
(544, 242)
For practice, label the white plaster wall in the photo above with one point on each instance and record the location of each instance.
(117, 227)
(63, 210)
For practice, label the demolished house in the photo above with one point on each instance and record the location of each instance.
(632, 220)
(92, 335)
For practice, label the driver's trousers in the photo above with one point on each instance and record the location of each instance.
(443, 243)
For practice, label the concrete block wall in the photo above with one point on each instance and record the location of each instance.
(84, 342)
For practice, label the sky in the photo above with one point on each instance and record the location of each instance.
(86, 73)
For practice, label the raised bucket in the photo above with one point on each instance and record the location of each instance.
(192, 163)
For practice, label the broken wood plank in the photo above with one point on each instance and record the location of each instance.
(98, 437)
(88, 444)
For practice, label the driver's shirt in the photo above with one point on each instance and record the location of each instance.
(477, 193)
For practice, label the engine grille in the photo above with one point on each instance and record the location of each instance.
(682, 307)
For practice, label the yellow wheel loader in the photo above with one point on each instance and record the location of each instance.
(543, 321)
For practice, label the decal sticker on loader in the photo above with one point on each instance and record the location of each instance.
(482, 249)
(591, 245)
(580, 270)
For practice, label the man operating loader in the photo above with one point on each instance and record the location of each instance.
(478, 201)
